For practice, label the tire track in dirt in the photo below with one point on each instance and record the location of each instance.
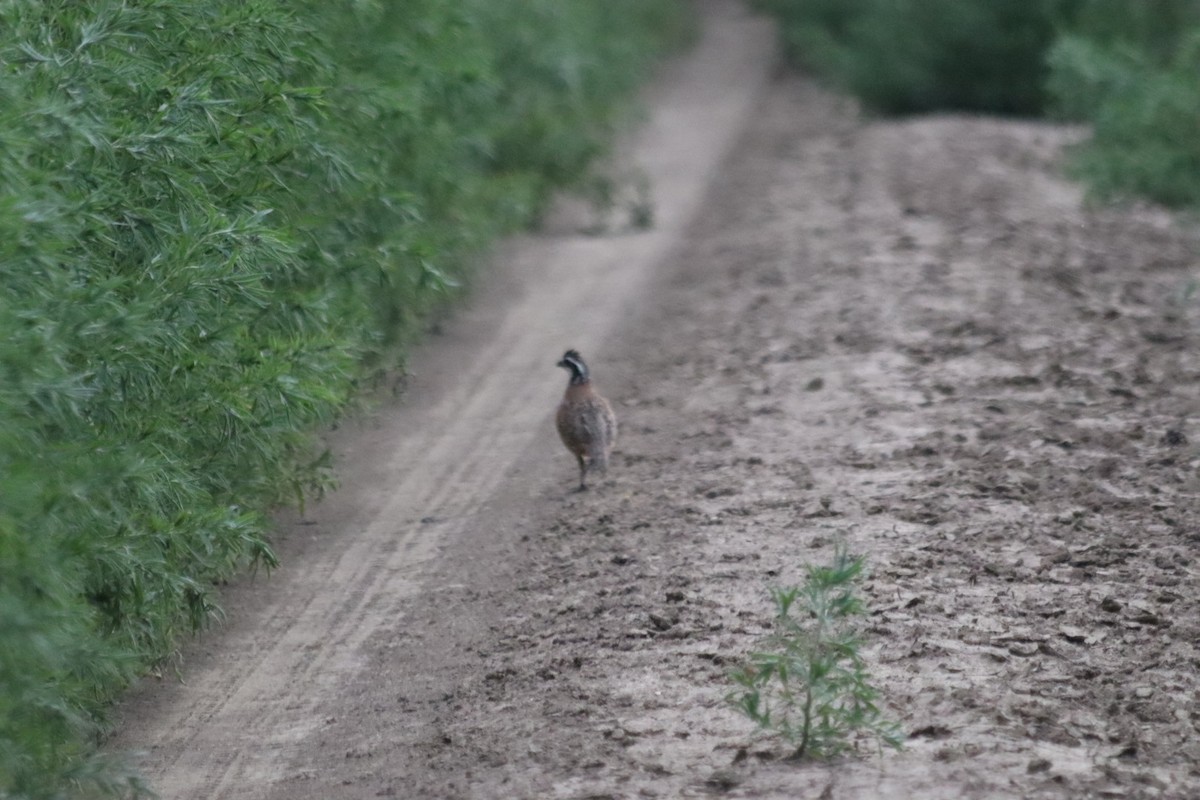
(252, 691)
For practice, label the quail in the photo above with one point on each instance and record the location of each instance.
(585, 420)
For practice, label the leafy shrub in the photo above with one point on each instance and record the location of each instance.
(903, 56)
(1131, 70)
(810, 684)
(215, 217)
(143, 349)
(1152, 27)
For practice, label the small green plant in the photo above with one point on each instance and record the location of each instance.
(810, 684)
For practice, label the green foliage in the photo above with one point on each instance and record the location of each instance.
(1153, 27)
(485, 107)
(810, 684)
(1131, 70)
(817, 33)
(904, 56)
(216, 218)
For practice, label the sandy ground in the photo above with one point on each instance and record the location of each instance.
(913, 337)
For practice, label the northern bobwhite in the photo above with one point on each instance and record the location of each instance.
(585, 420)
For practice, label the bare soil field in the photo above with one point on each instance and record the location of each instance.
(914, 337)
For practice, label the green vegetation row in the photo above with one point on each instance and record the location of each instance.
(217, 219)
(1128, 67)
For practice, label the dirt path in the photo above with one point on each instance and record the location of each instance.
(419, 479)
(911, 336)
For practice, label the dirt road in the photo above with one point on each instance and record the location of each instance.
(910, 336)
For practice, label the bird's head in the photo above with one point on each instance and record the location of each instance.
(572, 361)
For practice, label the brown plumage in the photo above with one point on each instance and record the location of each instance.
(585, 420)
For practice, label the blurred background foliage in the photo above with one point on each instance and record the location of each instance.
(218, 220)
(1130, 68)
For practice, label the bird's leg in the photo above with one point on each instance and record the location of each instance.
(582, 473)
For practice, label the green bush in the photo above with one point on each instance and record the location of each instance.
(216, 218)
(1152, 27)
(1131, 70)
(904, 56)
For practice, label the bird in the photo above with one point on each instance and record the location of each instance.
(586, 422)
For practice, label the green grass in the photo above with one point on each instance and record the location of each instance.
(218, 220)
